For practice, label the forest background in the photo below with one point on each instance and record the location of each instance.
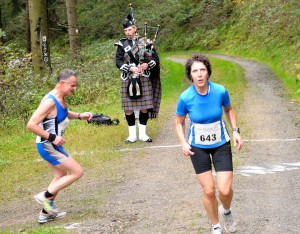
(264, 30)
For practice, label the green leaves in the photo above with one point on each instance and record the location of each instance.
(2, 33)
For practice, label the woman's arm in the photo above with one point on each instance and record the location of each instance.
(230, 115)
(180, 129)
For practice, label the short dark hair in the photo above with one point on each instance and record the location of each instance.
(197, 58)
(66, 74)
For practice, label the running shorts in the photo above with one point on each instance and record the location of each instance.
(219, 157)
(52, 153)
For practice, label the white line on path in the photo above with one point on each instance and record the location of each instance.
(90, 152)
(267, 140)
(245, 140)
(150, 147)
(243, 170)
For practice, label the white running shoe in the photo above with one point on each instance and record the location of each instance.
(217, 230)
(44, 218)
(229, 223)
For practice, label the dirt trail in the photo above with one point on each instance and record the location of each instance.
(160, 192)
(157, 189)
(267, 197)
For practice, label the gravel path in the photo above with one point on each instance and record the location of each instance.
(160, 193)
(157, 190)
(267, 197)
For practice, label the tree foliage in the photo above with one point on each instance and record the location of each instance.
(184, 23)
(269, 26)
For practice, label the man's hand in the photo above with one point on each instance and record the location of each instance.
(144, 66)
(86, 116)
(135, 70)
(59, 141)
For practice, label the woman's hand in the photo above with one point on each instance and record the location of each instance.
(237, 140)
(186, 149)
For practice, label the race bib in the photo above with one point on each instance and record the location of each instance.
(207, 134)
(62, 127)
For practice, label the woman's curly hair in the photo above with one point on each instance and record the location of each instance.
(197, 58)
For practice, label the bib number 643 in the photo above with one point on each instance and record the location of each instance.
(207, 134)
(212, 137)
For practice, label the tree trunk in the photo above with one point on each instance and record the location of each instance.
(1, 27)
(39, 36)
(28, 39)
(72, 25)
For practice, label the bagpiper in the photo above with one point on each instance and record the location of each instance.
(138, 61)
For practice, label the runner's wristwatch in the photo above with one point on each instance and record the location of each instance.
(236, 130)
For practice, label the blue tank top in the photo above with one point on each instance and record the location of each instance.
(207, 128)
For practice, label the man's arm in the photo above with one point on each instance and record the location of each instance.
(43, 111)
(81, 116)
(120, 60)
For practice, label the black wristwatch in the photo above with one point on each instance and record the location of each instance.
(236, 130)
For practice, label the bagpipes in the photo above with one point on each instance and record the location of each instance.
(147, 45)
(100, 119)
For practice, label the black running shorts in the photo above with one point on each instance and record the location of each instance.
(220, 158)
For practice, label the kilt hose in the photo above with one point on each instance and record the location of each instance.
(144, 102)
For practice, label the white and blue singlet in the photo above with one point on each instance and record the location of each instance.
(52, 153)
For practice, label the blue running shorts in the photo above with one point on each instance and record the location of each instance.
(52, 153)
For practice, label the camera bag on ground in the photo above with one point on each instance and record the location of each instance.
(101, 119)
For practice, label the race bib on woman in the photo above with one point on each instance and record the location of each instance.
(207, 134)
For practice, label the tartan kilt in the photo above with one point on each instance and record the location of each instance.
(144, 102)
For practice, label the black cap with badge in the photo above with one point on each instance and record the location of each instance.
(130, 21)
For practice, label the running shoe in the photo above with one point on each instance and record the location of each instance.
(44, 218)
(46, 203)
(229, 223)
(217, 230)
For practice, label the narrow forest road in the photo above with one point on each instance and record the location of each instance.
(267, 197)
(160, 193)
(157, 190)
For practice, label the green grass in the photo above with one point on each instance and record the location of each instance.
(41, 230)
(223, 72)
(283, 68)
(96, 148)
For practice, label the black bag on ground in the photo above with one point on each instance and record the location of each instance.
(101, 119)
